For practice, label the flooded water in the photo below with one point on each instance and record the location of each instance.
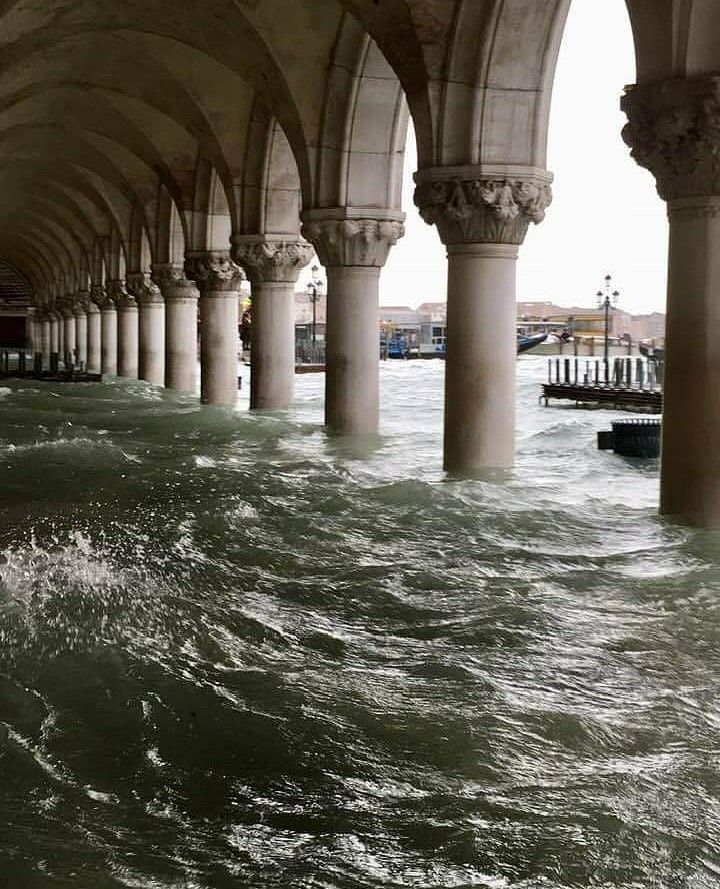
(234, 653)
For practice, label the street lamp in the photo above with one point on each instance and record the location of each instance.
(314, 288)
(607, 298)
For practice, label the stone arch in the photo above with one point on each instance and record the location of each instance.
(364, 126)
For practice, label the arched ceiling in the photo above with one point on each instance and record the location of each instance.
(14, 289)
(110, 109)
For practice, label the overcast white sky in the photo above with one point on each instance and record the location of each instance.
(606, 216)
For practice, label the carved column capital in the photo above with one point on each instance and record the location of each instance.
(66, 306)
(144, 289)
(100, 297)
(352, 237)
(117, 291)
(82, 303)
(472, 205)
(267, 259)
(173, 283)
(673, 130)
(213, 272)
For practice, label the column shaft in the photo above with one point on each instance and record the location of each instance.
(70, 337)
(54, 335)
(352, 378)
(181, 343)
(94, 340)
(690, 479)
(46, 343)
(152, 342)
(61, 336)
(109, 344)
(272, 383)
(481, 355)
(219, 347)
(128, 343)
(81, 328)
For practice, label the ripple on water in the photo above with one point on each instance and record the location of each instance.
(236, 652)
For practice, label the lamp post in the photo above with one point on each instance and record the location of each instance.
(607, 298)
(314, 288)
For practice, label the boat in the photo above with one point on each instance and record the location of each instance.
(524, 343)
(436, 349)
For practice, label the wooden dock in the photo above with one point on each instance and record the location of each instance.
(623, 384)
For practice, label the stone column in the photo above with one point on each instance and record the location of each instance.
(482, 215)
(54, 333)
(108, 329)
(94, 338)
(674, 131)
(60, 332)
(181, 298)
(353, 245)
(70, 333)
(32, 330)
(273, 266)
(127, 329)
(46, 338)
(152, 327)
(218, 279)
(81, 326)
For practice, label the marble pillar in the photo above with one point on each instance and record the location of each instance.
(70, 334)
(127, 330)
(181, 308)
(81, 327)
(94, 338)
(218, 279)
(152, 327)
(108, 331)
(46, 338)
(272, 266)
(674, 131)
(482, 215)
(353, 245)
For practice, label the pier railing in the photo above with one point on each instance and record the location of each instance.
(633, 383)
(631, 373)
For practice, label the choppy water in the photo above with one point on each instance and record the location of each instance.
(235, 654)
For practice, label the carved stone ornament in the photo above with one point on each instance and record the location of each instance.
(119, 294)
(82, 303)
(354, 241)
(67, 306)
(172, 281)
(214, 272)
(100, 297)
(673, 130)
(495, 210)
(144, 289)
(272, 261)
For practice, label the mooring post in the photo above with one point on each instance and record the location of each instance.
(567, 371)
(557, 370)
